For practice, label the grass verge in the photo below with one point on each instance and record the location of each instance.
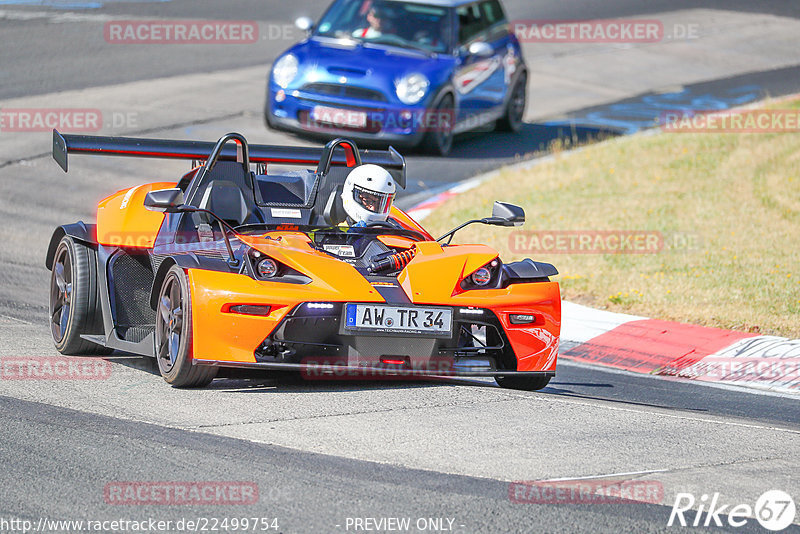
(726, 208)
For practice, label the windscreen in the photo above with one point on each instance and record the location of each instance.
(403, 24)
(287, 188)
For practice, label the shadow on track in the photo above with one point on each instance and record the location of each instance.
(533, 138)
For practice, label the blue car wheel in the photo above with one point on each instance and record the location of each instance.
(439, 139)
(511, 121)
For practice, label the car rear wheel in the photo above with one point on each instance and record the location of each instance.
(439, 139)
(73, 299)
(173, 339)
(525, 383)
(515, 109)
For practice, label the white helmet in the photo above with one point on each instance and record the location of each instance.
(368, 194)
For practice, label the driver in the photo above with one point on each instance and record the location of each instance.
(376, 26)
(368, 195)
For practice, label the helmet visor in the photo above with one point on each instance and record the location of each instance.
(373, 201)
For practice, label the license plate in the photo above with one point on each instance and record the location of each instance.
(381, 319)
(346, 118)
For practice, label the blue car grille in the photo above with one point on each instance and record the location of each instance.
(335, 89)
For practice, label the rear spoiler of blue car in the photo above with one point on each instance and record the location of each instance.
(65, 144)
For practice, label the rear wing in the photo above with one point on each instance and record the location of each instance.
(65, 144)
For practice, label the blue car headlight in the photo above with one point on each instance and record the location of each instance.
(411, 88)
(284, 70)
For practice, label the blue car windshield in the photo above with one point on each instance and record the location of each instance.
(404, 24)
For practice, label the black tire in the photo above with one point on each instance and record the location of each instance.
(515, 108)
(525, 383)
(439, 140)
(74, 304)
(173, 336)
(268, 119)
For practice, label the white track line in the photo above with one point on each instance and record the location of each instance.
(609, 475)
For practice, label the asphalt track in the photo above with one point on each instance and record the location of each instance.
(324, 452)
(56, 448)
(67, 56)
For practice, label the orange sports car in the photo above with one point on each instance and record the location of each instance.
(240, 264)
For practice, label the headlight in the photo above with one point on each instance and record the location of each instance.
(284, 70)
(412, 88)
(481, 277)
(267, 268)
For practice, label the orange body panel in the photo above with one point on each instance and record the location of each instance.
(535, 345)
(331, 276)
(232, 337)
(122, 219)
(423, 277)
(224, 336)
(404, 219)
(394, 241)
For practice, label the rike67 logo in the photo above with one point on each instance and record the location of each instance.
(774, 510)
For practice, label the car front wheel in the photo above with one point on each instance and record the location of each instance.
(173, 339)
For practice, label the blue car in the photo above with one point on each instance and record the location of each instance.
(407, 73)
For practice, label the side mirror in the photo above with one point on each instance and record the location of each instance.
(304, 23)
(163, 199)
(504, 214)
(480, 49)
